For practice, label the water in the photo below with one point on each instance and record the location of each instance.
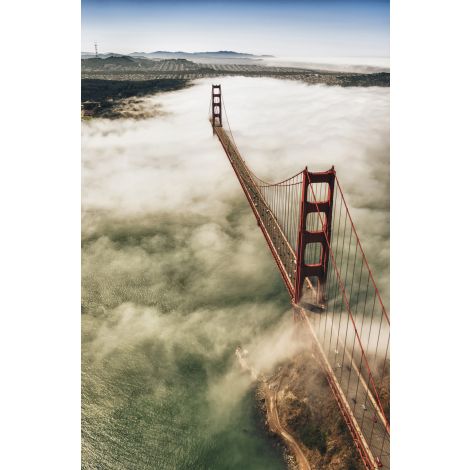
(161, 386)
(175, 273)
(145, 408)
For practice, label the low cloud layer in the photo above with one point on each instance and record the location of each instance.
(337, 64)
(173, 163)
(176, 273)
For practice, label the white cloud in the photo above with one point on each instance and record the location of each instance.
(172, 254)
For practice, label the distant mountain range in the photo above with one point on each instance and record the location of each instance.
(123, 62)
(180, 55)
(113, 61)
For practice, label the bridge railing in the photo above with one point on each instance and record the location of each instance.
(278, 242)
(284, 198)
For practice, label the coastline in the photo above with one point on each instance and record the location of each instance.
(308, 414)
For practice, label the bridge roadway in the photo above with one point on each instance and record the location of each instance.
(278, 244)
(355, 400)
(366, 418)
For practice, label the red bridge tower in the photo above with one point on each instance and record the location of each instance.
(323, 236)
(216, 106)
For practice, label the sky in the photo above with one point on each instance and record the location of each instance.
(297, 28)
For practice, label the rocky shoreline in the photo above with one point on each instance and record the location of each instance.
(309, 413)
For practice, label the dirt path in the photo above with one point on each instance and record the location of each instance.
(276, 426)
(273, 417)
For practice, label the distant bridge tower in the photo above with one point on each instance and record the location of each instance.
(216, 106)
(96, 50)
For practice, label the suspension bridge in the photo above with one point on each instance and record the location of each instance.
(308, 228)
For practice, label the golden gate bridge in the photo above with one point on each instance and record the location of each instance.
(312, 238)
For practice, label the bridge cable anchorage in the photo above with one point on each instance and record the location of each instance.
(309, 230)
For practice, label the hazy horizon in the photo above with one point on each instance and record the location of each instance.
(298, 28)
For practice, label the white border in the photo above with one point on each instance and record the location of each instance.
(429, 241)
(40, 235)
(40, 264)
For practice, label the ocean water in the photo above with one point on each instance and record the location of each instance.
(145, 408)
(161, 387)
(176, 274)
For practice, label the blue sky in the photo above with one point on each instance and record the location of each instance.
(297, 28)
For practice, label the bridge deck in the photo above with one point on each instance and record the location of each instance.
(352, 390)
(281, 249)
(356, 391)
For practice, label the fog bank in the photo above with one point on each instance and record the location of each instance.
(176, 273)
(336, 64)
